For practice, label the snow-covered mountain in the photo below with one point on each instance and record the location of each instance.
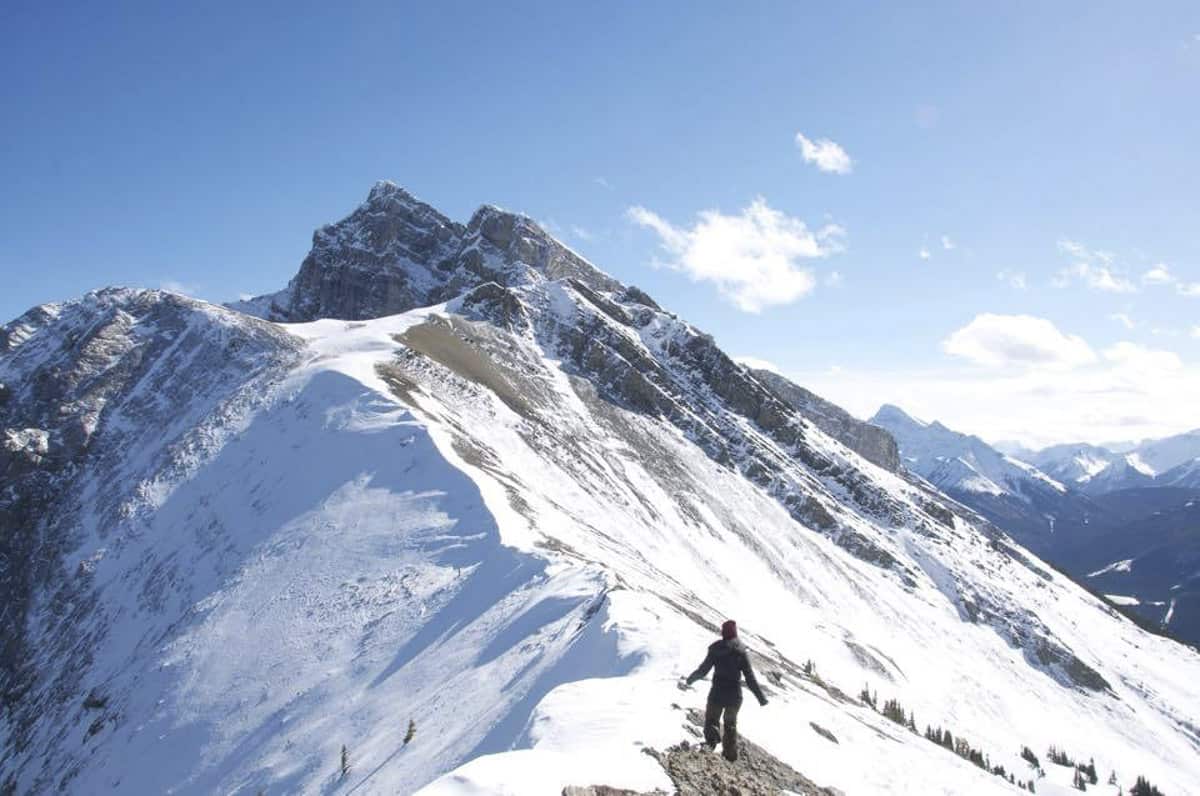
(1032, 507)
(1079, 532)
(1171, 461)
(960, 462)
(455, 475)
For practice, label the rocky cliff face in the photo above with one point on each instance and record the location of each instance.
(88, 381)
(394, 253)
(867, 440)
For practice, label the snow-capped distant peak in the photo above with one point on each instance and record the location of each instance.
(1090, 466)
(1135, 461)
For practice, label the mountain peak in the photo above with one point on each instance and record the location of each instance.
(395, 253)
(890, 413)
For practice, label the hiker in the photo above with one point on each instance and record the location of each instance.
(729, 660)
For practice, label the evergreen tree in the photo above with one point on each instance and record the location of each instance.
(344, 767)
(1144, 788)
(412, 730)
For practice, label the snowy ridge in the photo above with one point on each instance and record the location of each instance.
(513, 515)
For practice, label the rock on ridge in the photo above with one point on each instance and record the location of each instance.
(395, 253)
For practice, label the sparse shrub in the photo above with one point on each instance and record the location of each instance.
(412, 730)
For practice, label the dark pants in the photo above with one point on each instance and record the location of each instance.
(712, 727)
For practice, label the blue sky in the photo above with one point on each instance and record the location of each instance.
(1042, 158)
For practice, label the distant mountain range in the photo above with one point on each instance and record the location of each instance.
(1126, 524)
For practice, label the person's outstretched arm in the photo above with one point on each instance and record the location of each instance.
(751, 680)
(702, 669)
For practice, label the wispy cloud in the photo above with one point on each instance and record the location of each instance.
(182, 288)
(924, 253)
(603, 183)
(947, 244)
(1014, 279)
(582, 233)
(1188, 288)
(1158, 275)
(1196, 332)
(835, 279)
(1122, 319)
(1093, 268)
(826, 155)
(1005, 341)
(758, 364)
(754, 258)
(1122, 391)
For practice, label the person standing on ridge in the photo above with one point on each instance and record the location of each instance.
(729, 660)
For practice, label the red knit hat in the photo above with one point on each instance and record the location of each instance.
(729, 629)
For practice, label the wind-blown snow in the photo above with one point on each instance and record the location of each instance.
(1124, 565)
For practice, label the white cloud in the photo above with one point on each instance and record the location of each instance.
(826, 155)
(835, 279)
(947, 244)
(1014, 279)
(1122, 319)
(1158, 275)
(1008, 341)
(753, 258)
(1097, 277)
(924, 253)
(758, 364)
(1093, 268)
(1196, 332)
(581, 233)
(183, 288)
(603, 183)
(1129, 392)
(1188, 288)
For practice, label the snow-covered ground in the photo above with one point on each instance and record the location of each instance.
(431, 518)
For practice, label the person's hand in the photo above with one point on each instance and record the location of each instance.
(684, 684)
(762, 701)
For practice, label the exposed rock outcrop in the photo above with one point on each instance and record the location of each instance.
(871, 442)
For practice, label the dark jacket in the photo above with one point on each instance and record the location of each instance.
(729, 661)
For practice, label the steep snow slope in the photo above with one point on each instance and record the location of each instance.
(514, 518)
